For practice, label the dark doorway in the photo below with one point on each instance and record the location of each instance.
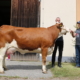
(5, 11)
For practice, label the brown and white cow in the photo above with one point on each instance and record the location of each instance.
(40, 40)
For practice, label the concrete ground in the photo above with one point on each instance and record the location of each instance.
(25, 69)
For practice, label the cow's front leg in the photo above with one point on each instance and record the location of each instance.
(44, 55)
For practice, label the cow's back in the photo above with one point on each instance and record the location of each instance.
(27, 38)
(32, 38)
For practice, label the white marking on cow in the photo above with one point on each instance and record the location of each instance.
(44, 68)
(50, 50)
(63, 31)
(12, 47)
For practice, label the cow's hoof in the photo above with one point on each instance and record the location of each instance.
(2, 72)
(5, 68)
(44, 72)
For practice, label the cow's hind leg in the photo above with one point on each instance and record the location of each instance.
(1, 64)
(4, 64)
(44, 55)
(2, 54)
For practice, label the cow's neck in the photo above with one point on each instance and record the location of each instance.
(54, 30)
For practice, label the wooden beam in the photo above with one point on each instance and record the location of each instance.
(77, 10)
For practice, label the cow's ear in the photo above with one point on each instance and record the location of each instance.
(59, 25)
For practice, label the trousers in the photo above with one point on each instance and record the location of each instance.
(77, 49)
(59, 46)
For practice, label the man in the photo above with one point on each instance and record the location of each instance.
(59, 46)
(77, 45)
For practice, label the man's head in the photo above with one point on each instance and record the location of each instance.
(57, 20)
(78, 24)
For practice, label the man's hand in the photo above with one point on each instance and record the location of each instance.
(70, 31)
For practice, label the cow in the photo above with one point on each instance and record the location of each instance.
(28, 40)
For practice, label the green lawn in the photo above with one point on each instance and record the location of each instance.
(68, 70)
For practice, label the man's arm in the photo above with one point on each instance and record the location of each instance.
(72, 33)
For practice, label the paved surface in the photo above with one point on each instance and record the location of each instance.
(25, 70)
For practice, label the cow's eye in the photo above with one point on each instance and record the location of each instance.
(60, 25)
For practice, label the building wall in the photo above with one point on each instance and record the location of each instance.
(66, 10)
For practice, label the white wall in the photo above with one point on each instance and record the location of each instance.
(66, 10)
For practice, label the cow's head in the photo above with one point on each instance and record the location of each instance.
(63, 30)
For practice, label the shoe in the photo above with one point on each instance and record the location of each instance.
(59, 65)
(53, 65)
(77, 66)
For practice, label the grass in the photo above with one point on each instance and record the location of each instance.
(68, 70)
(14, 77)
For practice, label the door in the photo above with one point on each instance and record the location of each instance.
(25, 13)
